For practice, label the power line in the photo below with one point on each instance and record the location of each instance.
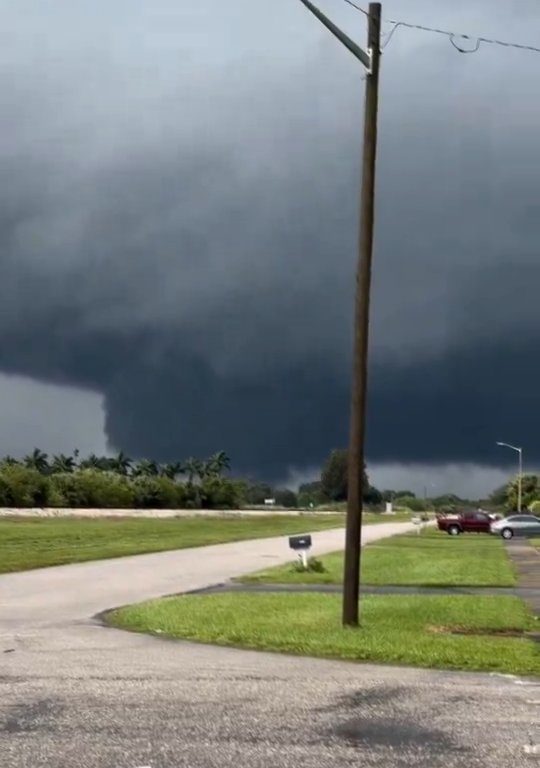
(358, 7)
(452, 36)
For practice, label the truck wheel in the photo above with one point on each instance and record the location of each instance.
(507, 533)
(454, 530)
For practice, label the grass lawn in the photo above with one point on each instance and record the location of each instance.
(536, 542)
(432, 559)
(414, 631)
(27, 543)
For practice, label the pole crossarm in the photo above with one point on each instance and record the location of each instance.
(359, 53)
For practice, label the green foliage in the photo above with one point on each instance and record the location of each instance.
(530, 491)
(221, 493)
(400, 494)
(311, 493)
(499, 497)
(171, 470)
(21, 486)
(313, 566)
(92, 489)
(410, 502)
(146, 468)
(286, 498)
(334, 478)
(62, 463)
(373, 496)
(194, 468)
(37, 460)
(257, 493)
(218, 463)
(156, 493)
(535, 507)
(120, 464)
(95, 462)
(114, 483)
(507, 495)
(446, 501)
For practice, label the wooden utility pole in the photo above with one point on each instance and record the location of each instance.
(353, 537)
(371, 61)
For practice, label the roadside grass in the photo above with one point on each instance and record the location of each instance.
(415, 631)
(536, 542)
(27, 543)
(375, 517)
(432, 559)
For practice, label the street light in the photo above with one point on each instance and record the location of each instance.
(520, 474)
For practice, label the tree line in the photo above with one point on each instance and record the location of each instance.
(117, 482)
(121, 465)
(506, 496)
(39, 480)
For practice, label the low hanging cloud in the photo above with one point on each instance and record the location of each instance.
(178, 232)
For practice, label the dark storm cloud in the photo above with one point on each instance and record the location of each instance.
(178, 232)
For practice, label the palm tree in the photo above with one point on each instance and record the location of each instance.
(121, 464)
(94, 462)
(194, 467)
(37, 460)
(172, 470)
(62, 463)
(9, 461)
(146, 468)
(218, 463)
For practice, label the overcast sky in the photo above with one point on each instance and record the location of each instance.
(178, 229)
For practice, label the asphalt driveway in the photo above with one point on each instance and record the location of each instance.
(76, 695)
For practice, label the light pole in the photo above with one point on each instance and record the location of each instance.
(353, 535)
(520, 473)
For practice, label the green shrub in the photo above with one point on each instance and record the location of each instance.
(313, 566)
(156, 493)
(92, 489)
(221, 493)
(535, 507)
(22, 487)
(410, 502)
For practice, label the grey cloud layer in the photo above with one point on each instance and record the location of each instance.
(178, 230)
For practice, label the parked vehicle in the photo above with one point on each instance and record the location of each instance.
(517, 525)
(465, 522)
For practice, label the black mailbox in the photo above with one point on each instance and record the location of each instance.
(300, 542)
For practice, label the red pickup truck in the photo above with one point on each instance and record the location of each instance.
(465, 522)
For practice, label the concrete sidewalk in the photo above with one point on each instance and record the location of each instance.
(526, 560)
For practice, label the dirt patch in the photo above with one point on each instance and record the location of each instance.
(435, 630)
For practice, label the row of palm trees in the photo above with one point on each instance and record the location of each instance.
(123, 465)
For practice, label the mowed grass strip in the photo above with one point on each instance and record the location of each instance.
(414, 631)
(432, 559)
(27, 543)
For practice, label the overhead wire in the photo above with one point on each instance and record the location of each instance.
(358, 7)
(453, 36)
(477, 40)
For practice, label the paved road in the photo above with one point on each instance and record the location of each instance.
(76, 695)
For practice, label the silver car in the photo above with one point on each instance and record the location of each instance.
(516, 525)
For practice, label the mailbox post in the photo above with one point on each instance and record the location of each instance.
(301, 545)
